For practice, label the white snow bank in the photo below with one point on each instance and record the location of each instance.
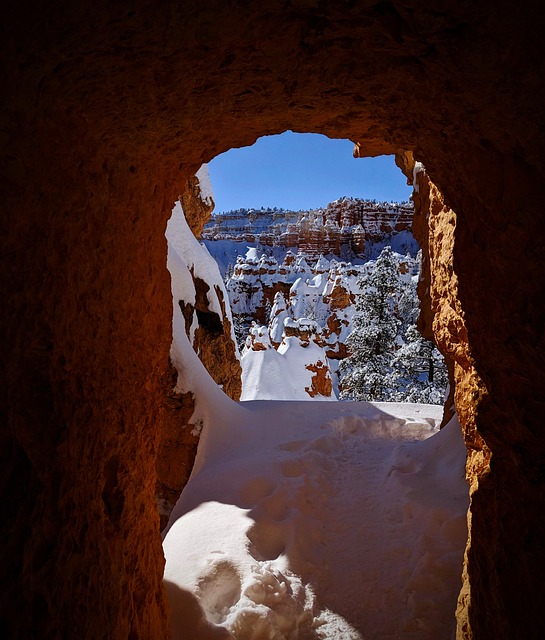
(320, 520)
(186, 256)
(418, 168)
(196, 257)
(281, 374)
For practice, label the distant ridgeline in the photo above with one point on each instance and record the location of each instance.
(349, 228)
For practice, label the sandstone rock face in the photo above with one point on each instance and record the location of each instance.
(177, 451)
(208, 329)
(427, 229)
(346, 222)
(207, 325)
(325, 291)
(487, 470)
(107, 112)
(321, 383)
(213, 341)
(197, 209)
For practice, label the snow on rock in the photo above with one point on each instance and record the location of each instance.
(185, 249)
(325, 292)
(417, 169)
(326, 298)
(190, 369)
(258, 338)
(320, 521)
(187, 262)
(297, 370)
(194, 255)
(350, 227)
(252, 255)
(206, 193)
(279, 313)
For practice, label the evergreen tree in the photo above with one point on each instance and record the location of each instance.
(419, 369)
(390, 360)
(228, 272)
(241, 328)
(367, 373)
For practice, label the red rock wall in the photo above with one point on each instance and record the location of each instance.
(213, 342)
(197, 212)
(107, 110)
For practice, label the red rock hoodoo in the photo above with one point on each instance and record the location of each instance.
(107, 111)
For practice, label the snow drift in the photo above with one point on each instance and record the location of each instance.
(328, 520)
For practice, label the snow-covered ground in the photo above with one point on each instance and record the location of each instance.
(283, 374)
(320, 520)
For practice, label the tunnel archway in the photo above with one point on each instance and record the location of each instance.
(109, 110)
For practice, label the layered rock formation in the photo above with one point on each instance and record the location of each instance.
(351, 223)
(107, 111)
(265, 292)
(197, 200)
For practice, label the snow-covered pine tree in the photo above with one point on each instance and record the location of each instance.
(241, 328)
(407, 306)
(367, 374)
(390, 360)
(419, 370)
(228, 272)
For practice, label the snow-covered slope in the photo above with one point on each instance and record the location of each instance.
(327, 520)
(286, 373)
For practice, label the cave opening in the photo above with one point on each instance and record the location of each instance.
(326, 219)
(265, 516)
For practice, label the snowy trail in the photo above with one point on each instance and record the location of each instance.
(386, 542)
(320, 520)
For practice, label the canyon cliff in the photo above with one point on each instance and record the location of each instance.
(107, 112)
(262, 290)
(348, 228)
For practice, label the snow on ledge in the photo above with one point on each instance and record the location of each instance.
(202, 175)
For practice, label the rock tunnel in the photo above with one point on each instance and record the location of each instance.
(108, 110)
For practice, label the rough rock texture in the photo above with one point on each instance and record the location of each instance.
(254, 284)
(210, 334)
(197, 211)
(177, 451)
(325, 291)
(430, 229)
(321, 383)
(107, 110)
(339, 299)
(178, 446)
(213, 343)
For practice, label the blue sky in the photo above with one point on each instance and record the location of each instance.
(301, 171)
